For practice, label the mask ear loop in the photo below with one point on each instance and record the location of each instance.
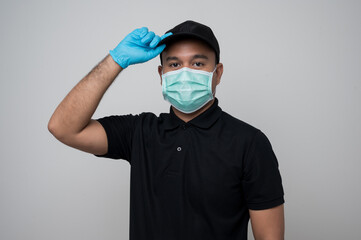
(215, 68)
(162, 78)
(215, 89)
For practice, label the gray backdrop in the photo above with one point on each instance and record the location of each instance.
(291, 69)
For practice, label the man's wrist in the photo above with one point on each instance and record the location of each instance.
(115, 60)
(119, 60)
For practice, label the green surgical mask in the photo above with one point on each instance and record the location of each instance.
(187, 89)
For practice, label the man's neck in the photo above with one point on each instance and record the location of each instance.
(186, 117)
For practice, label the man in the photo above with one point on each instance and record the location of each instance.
(196, 172)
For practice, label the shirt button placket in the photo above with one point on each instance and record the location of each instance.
(184, 127)
(179, 149)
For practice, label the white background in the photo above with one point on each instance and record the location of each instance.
(291, 69)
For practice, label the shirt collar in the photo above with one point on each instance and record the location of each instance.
(204, 120)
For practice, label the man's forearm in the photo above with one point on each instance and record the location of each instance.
(76, 109)
(268, 224)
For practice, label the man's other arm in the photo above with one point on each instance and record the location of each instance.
(268, 224)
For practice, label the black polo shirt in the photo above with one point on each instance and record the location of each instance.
(194, 180)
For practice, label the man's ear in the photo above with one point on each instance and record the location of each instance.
(219, 72)
(160, 68)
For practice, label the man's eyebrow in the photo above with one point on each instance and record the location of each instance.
(171, 58)
(194, 57)
(199, 56)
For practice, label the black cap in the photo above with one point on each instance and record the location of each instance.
(193, 29)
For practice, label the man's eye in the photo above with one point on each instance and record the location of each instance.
(198, 64)
(174, 65)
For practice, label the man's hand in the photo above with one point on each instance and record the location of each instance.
(137, 47)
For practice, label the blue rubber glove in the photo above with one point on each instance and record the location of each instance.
(137, 47)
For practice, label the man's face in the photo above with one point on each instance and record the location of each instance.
(191, 53)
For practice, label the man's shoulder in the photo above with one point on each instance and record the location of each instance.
(143, 117)
(151, 118)
(133, 118)
(149, 115)
(238, 125)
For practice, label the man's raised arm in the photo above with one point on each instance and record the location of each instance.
(71, 122)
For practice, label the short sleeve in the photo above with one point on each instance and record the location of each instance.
(262, 183)
(120, 130)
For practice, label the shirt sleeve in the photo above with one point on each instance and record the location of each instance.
(120, 130)
(262, 183)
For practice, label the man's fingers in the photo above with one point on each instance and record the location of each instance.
(155, 41)
(148, 38)
(141, 32)
(154, 52)
(165, 35)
